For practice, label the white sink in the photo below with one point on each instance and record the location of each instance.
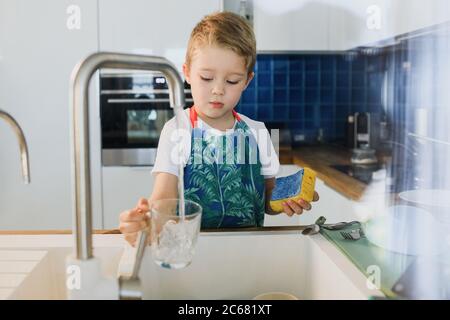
(242, 266)
(47, 280)
(34, 267)
(225, 266)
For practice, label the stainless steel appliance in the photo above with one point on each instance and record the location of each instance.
(362, 129)
(364, 155)
(366, 129)
(366, 138)
(362, 173)
(134, 108)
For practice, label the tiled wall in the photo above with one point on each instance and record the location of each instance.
(309, 92)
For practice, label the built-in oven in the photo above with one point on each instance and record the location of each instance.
(133, 108)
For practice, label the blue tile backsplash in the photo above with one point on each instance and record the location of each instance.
(309, 92)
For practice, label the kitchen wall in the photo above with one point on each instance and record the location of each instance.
(40, 43)
(401, 79)
(302, 91)
(309, 92)
(39, 46)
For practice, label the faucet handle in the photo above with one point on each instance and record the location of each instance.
(24, 158)
(140, 249)
(130, 286)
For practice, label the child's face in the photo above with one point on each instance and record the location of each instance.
(217, 77)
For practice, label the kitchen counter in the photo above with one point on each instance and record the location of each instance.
(269, 222)
(304, 265)
(320, 158)
(49, 232)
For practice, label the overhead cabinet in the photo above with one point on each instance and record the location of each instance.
(286, 25)
(151, 27)
(335, 25)
(356, 23)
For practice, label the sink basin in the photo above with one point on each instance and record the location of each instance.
(227, 265)
(34, 266)
(243, 266)
(47, 280)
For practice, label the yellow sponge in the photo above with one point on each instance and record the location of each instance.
(299, 185)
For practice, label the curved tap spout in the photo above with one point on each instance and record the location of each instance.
(81, 178)
(24, 159)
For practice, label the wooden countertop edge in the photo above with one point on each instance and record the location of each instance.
(52, 232)
(345, 185)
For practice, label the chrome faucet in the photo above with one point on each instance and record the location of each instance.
(81, 177)
(24, 158)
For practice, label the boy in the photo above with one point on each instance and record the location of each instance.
(234, 192)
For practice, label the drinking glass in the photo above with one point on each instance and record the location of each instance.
(173, 238)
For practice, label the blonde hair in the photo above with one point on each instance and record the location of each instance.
(226, 30)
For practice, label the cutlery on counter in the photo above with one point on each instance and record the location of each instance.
(353, 234)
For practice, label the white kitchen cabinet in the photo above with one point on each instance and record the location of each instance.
(122, 188)
(354, 23)
(336, 25)
(290, 25)
(358, 22)
(152, 27)
(333, 205)
(40, 43)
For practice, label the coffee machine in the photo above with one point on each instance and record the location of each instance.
(362, 129)
(365, 139)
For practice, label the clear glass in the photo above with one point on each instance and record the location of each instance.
(173, 239)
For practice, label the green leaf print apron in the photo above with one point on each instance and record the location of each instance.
(223, 175)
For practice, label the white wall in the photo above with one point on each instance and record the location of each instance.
(316, 25)
(37, 54)
(151, 26)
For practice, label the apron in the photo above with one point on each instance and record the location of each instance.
(225, 180)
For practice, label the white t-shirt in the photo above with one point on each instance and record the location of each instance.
(166, 155)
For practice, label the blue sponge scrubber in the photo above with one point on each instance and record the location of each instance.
(299, 185)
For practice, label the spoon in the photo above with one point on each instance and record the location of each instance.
(311, 230)
(315, 228)
(339, 225)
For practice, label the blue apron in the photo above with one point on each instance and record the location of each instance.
(226, 181)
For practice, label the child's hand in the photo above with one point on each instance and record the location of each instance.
(134, 220)
(292, 207)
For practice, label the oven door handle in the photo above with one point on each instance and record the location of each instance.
(142, 168)
(141, 100)
(136, 100)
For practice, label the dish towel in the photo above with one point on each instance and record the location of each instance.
(383, 268)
